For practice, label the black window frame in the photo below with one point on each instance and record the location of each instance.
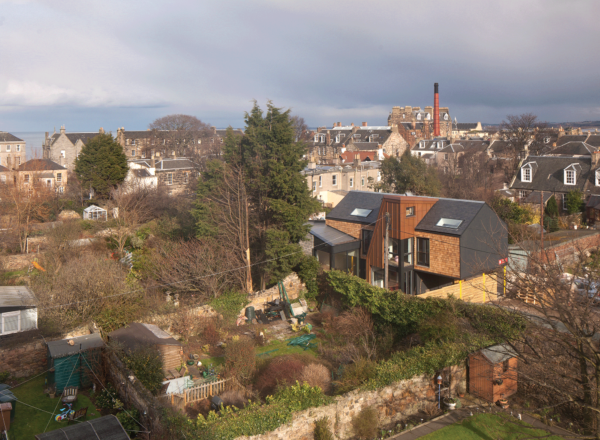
(411, 209)
(366, 242)
(408, 252)
(423, 252)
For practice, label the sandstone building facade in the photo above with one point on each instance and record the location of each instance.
(63, 148)
(12, 151)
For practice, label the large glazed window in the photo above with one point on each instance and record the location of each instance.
(423, 251)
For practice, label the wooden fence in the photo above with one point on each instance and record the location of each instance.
(479, 289)
(205, 390)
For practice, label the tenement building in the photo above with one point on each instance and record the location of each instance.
(63, 148)
(12, 151)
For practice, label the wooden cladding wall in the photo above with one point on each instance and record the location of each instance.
(478, 289)
(170, 356)
(401, 226)
(444, 255)
(483, 378)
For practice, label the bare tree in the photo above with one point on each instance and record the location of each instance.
(300, 128)
(183, 134)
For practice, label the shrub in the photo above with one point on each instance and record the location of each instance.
(240, 359)
(147, 365)
(4, 375)
(128, 421)
(282, 370)
(229, 304)
(317, 375)
(439, 328)
(308, 270)
(233, 398)
(365, 423)
(575, 202)
(210, 335)
(356, 375)
(552, 207)
(322, 431)
(107, 398)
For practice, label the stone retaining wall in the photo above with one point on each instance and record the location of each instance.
(393, 404)
(258, 300)
(25, 359)
(16, 262)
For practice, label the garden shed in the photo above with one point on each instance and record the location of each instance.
(136, 335)
(94, 212)
(102, 428)
(70, 360)
(18, 309)
(493, 373)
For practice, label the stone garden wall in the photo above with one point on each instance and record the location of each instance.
(258, 300)
(393, 403)
(24, 359)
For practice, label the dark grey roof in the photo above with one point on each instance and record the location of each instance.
(329, 235)
(17, 296)
(431, 145)
(593, 140)
(366, 146)
(222, 132)
(593, 202)
(574, 148)
(452, 148)
(135, 334)
(570, 138)
(462, 126)
(102, 428)
(85, 137)
(141, 173)
(498, 353)
(182, 163)
(354, 200)
(62, 348)
(3, 169)
(549, 175)
(473, 145)
(143, 134)
(464, 210)
(534, 197)
(40, 165)
(7, 137)
(500, 146)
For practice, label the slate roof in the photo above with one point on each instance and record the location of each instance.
(431, 145)
(357, 199)
(593, 140)
(329, 235)
(549, 175)
(223, 132)
(534, 197)
(143, 134)
(181, 163)
(452, 148)
(85, 137)
(574, 148)
(135, 334)
(102, 428)
(499, 146)
(368, 146)
(473, 145)
(3, 169)
(570, 138)
(593, 202)
(17, 296)
(7, 137)
(62, 348)
(142, 173)
(498, 353)
(465, 126)
(40, 165)
(464, 210)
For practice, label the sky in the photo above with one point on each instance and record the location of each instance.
(88, 64)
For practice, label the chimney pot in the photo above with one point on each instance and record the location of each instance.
(364, 124)
(352, 124)
(62, 129)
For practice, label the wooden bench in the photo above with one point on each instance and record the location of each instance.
(77, 414)
(69, 395)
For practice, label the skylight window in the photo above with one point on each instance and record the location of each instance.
(449, 223)
(358, 212)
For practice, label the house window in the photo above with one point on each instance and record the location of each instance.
(357, 136)
(59, 177)
(423, 251)
(394, 252)
(320, 181)
(422, 144)
(62, 153)
(445, 116)
(449, 223)
(569, 177)
(18, 148)
(143, 154)
(505, 366)
(351, 182)
(7, 148)
(522, 194)
(314, 186)
(445, 156)
(427, 117)
(408, 251)
(186, 177)
(410, 211)
(61, 189)
(598, 178)
(26, 178)
(169, 178)
(362, 181)
(19, 160)
(334, 180)
(3, 178)
(132, 152)
(564, 198)
(526, 174)
(49, 183)
(367, 235)
(378, 176)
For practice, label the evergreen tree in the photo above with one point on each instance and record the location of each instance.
(101, 164)
(575, 202)
(410, 173)
(552, 207)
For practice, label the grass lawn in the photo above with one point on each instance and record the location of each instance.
(29, 421)
(489, 427)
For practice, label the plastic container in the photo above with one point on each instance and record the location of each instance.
(8, 397)
(250, 314)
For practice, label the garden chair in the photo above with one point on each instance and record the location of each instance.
(69, 395)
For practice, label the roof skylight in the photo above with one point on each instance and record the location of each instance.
(449, 223)
(358, 212)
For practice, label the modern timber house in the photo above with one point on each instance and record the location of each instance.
(432, 242)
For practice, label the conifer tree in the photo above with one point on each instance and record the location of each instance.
(101, 164)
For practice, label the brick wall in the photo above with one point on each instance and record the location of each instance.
(568, 252)
(478, 289)
(393, 404)
(444, 255)
(352, 229)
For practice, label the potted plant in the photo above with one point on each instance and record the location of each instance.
(450, 402)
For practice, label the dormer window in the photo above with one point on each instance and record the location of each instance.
(421, 144)
(403, 116)
(357, 136)
(428, 117)
(445, 116)
(337, 139)
(419, 116)
(526, 174)
(570, 177)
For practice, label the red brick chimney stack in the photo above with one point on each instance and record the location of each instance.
(436, 110)
(364, 124)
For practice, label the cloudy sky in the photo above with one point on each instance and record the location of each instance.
(109, 63)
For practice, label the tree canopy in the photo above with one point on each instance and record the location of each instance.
(410, 173)
(101, 164)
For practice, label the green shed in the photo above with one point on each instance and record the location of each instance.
(68, 360)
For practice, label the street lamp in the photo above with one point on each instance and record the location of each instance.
(439, 381)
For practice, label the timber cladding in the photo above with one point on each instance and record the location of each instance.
(171, 356)
(444, 255)
(489, 381)
(478, 289)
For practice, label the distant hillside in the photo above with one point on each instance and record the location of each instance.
(583, 124)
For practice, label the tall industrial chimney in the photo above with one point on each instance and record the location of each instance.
(436, 111)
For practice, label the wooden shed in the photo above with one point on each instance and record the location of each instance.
(493, 373)
(136, 335)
